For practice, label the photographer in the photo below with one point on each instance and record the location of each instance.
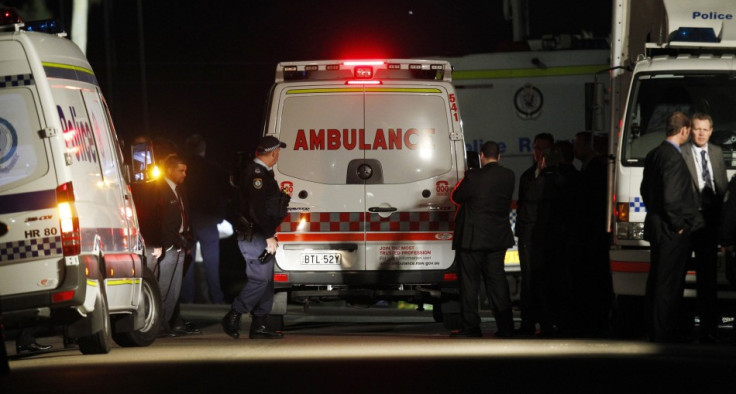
(263, 205)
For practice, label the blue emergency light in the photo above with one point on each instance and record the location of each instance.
(694, 34)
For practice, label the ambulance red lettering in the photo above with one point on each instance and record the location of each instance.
(332, 139)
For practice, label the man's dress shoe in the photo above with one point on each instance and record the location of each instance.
(32, 347)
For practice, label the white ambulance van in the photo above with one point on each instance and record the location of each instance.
(374, 149)
(71, 255)
(671, 55)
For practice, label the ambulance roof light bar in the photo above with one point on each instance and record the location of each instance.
(380, 70)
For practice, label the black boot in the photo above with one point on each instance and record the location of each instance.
(231, 324)
(258, 329)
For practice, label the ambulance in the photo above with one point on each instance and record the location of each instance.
(374, 148)
(671, 55)
(71, 254)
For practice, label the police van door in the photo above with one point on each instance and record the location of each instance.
(409, 163)
(323, 128)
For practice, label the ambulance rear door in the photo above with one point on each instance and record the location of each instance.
(409, 152)
(322, 127)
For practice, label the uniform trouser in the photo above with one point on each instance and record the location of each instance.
(665, 284)
(256, 297)
(487, 265)
(705, 246)
(169, 269)
(205, 231)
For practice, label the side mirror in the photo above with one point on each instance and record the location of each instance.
(142, 163)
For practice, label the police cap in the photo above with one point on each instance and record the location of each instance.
(269, 143)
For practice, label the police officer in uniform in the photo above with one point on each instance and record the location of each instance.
(264, 205)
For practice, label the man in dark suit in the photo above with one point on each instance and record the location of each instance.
(708, 173)
(482, 236)
(672, 217)
(526, 216)
(165, 229)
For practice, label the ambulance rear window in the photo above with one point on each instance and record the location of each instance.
(405, 130)
(22, 157)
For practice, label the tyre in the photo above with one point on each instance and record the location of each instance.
(149, 306)
(99, 342)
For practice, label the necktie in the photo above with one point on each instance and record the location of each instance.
(706, 172)
(184, 224)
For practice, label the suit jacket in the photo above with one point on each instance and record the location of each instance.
(161, 217)
(669, 194)
(485, 199)
(719, 177)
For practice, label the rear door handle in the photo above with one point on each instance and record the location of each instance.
(382, 209)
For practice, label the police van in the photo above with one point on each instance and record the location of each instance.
(71, 254)
(374, 149)
(683, 61)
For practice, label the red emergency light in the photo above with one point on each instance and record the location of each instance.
(363, 82)
(364, 63)
(9, 16)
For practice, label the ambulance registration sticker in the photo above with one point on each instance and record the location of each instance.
(318, 258)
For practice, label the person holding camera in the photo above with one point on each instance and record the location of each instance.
(165, 227)
(263, 207)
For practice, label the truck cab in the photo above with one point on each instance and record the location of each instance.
(686, 65)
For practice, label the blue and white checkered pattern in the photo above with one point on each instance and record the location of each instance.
(10, 81)
(637, 205)
(30, 248)
(512, 219)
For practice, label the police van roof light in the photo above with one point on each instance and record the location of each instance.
(332, 67)
(393, 66)
(50, 26)
(694, 34)
(9, 16)
(289, 68)
(436, 67)
(311, 67)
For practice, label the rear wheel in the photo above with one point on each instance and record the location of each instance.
(149, 307)
(99, 342)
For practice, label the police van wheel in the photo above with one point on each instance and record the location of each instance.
(99, 342)
(149, 307)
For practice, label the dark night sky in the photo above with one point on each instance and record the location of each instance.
(209, 66)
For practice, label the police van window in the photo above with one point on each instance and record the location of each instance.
(105, 144)
(408, 134)
(22, 154)
(656, 97)
(322, 133)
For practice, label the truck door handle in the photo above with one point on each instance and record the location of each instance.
(382, 209)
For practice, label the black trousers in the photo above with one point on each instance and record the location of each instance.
(705, 246)
(665, 284)
(487, 265)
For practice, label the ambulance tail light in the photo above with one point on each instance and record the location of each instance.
(281, 277)
(450, 277)
(71, 241)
